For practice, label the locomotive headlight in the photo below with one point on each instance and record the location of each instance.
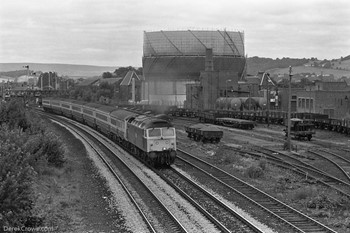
(164, 148)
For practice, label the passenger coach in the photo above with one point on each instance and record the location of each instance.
(150, 138)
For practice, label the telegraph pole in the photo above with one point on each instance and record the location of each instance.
(56, 81)
(41, 82)
(24, 94)
(309, 102)
(289, 109)
(27, 67)
(267, 99)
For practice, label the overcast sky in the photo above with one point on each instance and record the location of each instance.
(110, 32)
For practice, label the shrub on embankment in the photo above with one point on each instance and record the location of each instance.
(27, 146)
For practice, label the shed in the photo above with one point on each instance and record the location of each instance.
(130, 87)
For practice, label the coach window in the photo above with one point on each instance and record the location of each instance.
(154, 133)
(167, 132)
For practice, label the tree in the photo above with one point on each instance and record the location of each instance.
(107, 75)
(305, 82)
(13, 114)
(122, 71)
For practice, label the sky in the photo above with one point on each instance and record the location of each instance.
(110, 32)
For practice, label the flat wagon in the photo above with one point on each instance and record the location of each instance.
(204, 133)
(235, 123)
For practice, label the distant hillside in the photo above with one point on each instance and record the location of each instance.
(338, 67)
(13, 74)
(256, 64)
(61, 69)
(308, 69)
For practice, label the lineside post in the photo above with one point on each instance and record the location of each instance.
(289, 109)
(267, 99)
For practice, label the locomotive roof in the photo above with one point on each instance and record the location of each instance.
(77, 102)
(122, 114)
(147, 122)
(106, 109)
(92, 105)
(70, 101)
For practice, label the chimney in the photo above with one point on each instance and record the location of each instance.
(209, 65)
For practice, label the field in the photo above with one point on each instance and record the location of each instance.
(61, 69)
(309, 69)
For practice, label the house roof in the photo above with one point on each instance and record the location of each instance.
(88, 81)
(110, 80)
(128, 77)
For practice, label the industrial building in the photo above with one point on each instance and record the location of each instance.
(173, 59)
(331, 98)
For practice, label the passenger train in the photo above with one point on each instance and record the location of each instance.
(151, 139)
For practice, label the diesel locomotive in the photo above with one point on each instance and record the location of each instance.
(149, 138)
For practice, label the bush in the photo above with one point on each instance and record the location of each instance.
(322, 201)
(263, 163)
(26, 148)
(254, 171)
(52, 148)
(16, 175)
(304, 193)
(46, 147)
(229, 159)
(13, 114)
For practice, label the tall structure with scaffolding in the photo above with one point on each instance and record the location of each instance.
(173, 59)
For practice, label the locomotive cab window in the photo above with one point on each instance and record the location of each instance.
(168, 132)
(154, 132)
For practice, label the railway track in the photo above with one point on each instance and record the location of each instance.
(278, 210)
(235, 222)
(300, 166)
(341, 164)
(139, 193)
(223, 215)
(319, 175)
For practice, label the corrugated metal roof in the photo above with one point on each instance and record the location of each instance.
(128, 77)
